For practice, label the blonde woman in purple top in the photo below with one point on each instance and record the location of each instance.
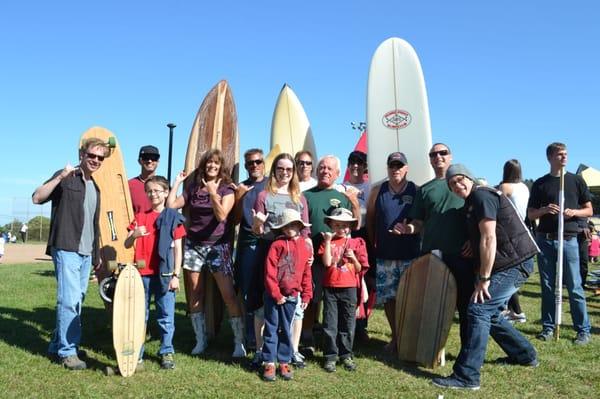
(209, 199)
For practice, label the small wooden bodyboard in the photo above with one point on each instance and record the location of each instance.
(425, 305)
(129, 315)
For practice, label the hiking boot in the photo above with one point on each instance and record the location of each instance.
(285, 372)
(298, 360)
(583, 338)
(452, 382)
(349, 364)
(508, 361)
(73, 363)
(545, 335)
(269, 372)
(257, 360)
(167, 361)
(329, 366)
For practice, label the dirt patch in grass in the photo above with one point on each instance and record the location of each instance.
(25, 253)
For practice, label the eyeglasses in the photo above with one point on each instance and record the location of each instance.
(95, 156)
(357, 161)
(154, 192)
(282, 169)
(441, 153)
(395, 165)
(255, 162)
(151, 158)
(304, 163)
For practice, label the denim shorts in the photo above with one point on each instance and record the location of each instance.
(388, 278)
(216, 257)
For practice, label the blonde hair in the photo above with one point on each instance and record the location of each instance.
(94, 142)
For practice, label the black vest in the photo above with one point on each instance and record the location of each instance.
(514, 243)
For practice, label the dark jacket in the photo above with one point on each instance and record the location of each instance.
(66, 218)
(166, 224)
(514, 243)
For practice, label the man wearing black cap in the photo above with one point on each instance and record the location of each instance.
(148, 159)
(388, 207)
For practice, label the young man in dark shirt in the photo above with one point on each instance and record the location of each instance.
(543, 205)
(73, 244)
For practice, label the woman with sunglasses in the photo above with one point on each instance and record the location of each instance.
(282, 192)
(304, 167)
(209, 199)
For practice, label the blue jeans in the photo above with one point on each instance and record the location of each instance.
(571, 278)
(246, 264)
(72, 276)
(277, 335)
(484, 319)
(165, 312)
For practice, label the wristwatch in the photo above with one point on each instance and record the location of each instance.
(482, 278)
(175, 274)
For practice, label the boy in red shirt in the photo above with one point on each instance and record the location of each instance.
(344, 258)
(287, 276)
(157, 234)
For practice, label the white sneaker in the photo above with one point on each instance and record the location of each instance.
(516, 317)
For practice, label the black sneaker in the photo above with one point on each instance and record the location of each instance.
(329, 366)
(583, 338)
(545, 335)
(298, 360)
(452, 382)
(508, 361)
(349, 364)
(73, 363)
(167, 361)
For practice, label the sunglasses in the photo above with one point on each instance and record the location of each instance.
(152, 158)
(254, 162)
(441, 153)
(94, 156)
(282, 169)
(357, 161)
(395, 165)
(304, 163)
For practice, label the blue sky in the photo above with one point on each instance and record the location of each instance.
(504, 79)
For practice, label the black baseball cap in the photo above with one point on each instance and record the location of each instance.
(357, 156)
(397, 157)
(149, 150)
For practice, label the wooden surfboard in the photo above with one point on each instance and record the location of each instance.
(215, 126)
(129, 319)
(290, 128)
(397, 112)
(116, 211)
(425, 304)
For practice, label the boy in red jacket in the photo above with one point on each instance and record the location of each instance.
(287, 274)
(344, 258)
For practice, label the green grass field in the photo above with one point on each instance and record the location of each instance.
(27, 298)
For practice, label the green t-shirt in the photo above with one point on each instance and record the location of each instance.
(320, 203)
(444, 224)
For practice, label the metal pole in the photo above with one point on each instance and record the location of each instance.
(171, 126)
(559, 258)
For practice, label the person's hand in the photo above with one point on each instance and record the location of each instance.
(240, 189)
(327, 236)
(350, 254)
(67, 171)
(258, 218)
(402, 228)
(303, 305)
(466, 251)
(174, 284)
(351, 193)
(569, 213)
(481, 292)
(281, 301)
(552, 209)
(140, 231)
(181, 176)
(211, 186)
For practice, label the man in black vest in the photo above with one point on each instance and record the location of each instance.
(503, 250)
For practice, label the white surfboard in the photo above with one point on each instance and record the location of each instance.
(397, 112)
(290, 128)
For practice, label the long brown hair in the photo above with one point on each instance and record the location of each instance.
(293, 186)
(512, 172)
(200, 171)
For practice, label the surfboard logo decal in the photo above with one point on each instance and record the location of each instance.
(396, 119)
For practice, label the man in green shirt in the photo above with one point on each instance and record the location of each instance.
(437, 214)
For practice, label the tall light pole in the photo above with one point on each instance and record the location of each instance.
(171, 126)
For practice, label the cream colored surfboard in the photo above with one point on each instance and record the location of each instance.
(290, 128)
(397, 112)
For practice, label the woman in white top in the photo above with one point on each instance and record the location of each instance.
(517, 192)
(304, 168)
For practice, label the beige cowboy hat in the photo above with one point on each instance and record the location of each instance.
(288, 216)
(341, 215)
